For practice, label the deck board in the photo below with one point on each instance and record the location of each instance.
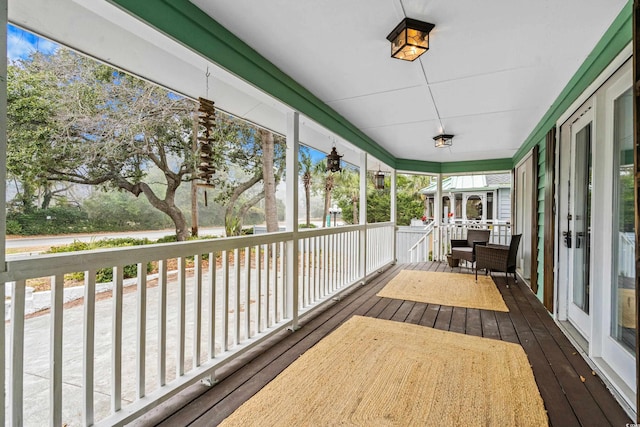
(556, 364)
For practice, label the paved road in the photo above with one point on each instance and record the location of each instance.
(48, 241)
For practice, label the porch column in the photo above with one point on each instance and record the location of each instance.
(483, 200)
(363, 215)
(494, 207)
(393, 217)
(465, 199)
(438, 219)
(292, 172)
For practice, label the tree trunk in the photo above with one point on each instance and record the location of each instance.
(356, 217)
(269, 179)
(194, 208)
(307, 195)
(328, 188)
(166, 206)
(46, 198)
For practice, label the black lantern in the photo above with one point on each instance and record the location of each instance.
(333, 161)
(410, 39)
(443, 140)
(378, 179)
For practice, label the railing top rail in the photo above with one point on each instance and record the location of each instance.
(380, 224)
(61, 263)
(427, 231)
(305, 233)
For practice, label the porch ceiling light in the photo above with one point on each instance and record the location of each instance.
(410, 39)
(333, 161)
(443, 140)
(378, 178)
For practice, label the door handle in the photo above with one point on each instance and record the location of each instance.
(567, 238)
(579, 237)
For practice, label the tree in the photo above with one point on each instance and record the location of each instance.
(269, 179)
(347, 190)
(306, 171)
(409, 204)
(251, 154)
(327, 184)
(109, 129)
(32, 98)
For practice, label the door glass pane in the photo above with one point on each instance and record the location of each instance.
(582, 222)
(623, 299)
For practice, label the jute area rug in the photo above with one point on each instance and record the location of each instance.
(372, 372)
(452, 289)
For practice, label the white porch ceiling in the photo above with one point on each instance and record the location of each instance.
(493, 69)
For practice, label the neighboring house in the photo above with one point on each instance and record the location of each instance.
(472, 197)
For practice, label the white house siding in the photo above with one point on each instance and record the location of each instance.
(504, 204)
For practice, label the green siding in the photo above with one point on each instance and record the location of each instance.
(542, 152)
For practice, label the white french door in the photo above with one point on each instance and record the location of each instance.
(595, 203)
(576, 182)
(619, 329)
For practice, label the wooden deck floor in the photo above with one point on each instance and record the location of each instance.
(556, 364)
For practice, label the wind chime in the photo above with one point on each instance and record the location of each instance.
(207, 121)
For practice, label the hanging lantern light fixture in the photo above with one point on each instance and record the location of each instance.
(333, 161)
(410, 39)
(443, 140)
(378, 179)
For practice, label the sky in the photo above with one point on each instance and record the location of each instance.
(21, 43)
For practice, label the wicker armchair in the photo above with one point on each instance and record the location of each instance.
(466, 248)
(498, 257)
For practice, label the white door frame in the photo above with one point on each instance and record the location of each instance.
(567, 219)
(616, 355)
(524, 171)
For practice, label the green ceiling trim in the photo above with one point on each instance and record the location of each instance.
(184, 22)
(411, 165)
(610, 45)
(491, 165)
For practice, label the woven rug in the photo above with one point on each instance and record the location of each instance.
(372, 372)
(452, 289)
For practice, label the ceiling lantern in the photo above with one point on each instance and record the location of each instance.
(378, 179)
(443, 140)
(333, 161)
(410, 39)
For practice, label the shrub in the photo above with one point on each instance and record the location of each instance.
(13, 227)
(104, 274)
(54, 220)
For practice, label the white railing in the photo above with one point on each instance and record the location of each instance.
(119, 353)
(422, 250)
(435, 242)
(380, 241)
